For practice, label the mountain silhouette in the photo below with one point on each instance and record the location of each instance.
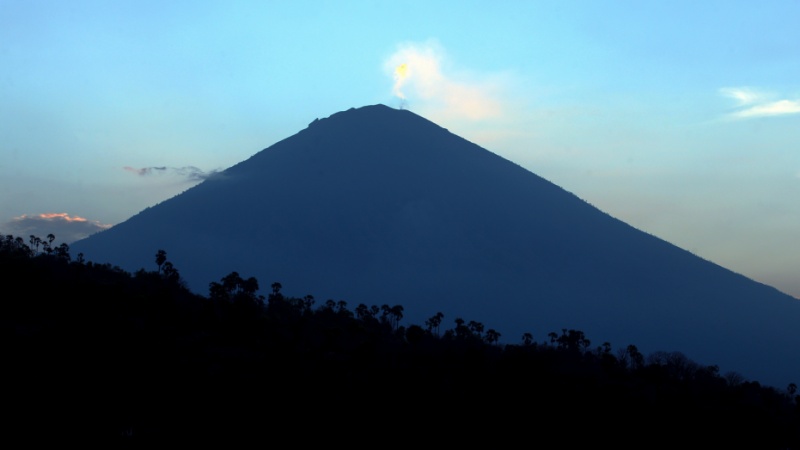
(380, 206)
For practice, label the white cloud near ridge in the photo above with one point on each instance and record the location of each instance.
(422, 78)
(753, 103)
(191, 173)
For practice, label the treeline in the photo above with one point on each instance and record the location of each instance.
(94, 352)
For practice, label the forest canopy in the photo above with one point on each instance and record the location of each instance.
(97, 352)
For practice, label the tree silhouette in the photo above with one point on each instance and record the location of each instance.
(35, 243)
(461, 331)
(170, 272)
(397, 315)
(573, 340)
(308, 302)
(527, 339)
(637, 359)
(363, 312)
(49, 245)
(235, 289)
(62, 252)
(492, 336)
(475, 327)
(161, 258)
(391, 315)
(434, 322)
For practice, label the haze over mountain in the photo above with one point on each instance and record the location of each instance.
(380, 206)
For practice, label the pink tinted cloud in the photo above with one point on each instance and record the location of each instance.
(60, 216)
(64, 227)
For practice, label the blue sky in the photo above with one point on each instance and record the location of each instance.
(680, 118)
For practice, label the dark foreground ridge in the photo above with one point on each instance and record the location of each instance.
(96, 354)
(423, 218)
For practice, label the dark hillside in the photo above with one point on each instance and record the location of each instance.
(98, 354)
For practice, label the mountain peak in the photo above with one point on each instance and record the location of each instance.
(361, 113)
(373, 115)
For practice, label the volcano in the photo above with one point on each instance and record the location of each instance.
(380, 206)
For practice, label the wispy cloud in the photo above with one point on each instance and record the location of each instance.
(753, 103)
(778, 108)
(64, 227)
(423, 79)
(743, 95)
(190, 172)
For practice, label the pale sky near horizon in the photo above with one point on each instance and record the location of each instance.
(680, 118)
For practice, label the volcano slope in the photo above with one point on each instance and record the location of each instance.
(381, 206)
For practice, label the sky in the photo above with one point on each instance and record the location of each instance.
(680, 118)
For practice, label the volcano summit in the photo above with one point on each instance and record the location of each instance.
(380, 206)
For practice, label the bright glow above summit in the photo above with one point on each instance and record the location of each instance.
(400, 74)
